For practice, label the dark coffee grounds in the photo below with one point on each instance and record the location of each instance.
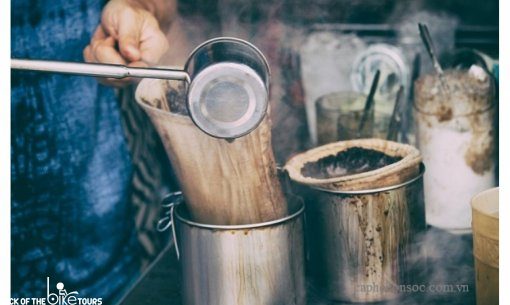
(176, 99)
(351, 161)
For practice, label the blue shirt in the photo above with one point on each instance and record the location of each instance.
(71, 218)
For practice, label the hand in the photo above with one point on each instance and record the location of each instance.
(128, 35)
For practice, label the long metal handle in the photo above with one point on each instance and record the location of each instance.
(97, 70)
(429, 45)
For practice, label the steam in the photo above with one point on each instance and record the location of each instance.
(442, 261)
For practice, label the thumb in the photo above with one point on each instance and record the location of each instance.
(129, 38)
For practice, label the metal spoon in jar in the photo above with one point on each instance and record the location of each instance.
(395, 120)
(429, 45)
(369, 102)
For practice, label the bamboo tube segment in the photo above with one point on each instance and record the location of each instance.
(223, 182)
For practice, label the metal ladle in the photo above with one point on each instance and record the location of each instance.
(228, 83)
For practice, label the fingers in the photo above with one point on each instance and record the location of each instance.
(113, 82)
(138, 64)
(102, 50)
(88, 55)
(106, 52)
(140, 38)
(154, 44)
(99, 34)
(130, 25)
(127, 36)
(136, 30)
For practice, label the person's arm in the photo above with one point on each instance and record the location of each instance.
(131, 33)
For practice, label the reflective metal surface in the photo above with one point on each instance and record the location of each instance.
(376, 190)
(228, 96)
(359, 244)
(259, 264)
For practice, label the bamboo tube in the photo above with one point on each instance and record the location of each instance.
(225, 183)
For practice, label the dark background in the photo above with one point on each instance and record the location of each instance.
(469, 12)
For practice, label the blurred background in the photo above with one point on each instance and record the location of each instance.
(323, 46)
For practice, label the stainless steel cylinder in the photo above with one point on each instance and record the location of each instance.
(259, 264)
(359, 241)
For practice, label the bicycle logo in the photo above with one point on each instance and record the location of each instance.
(63, 297)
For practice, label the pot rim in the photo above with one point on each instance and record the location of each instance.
(228, 39)
(371, 191)
(300, 209)
(410, 156)
(477, 205)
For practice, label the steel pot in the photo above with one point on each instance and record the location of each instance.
(260, 263)
(359, 241)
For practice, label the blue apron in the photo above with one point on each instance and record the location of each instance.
(71, 218)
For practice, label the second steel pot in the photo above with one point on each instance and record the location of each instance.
(359, 241)
(364, 212)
